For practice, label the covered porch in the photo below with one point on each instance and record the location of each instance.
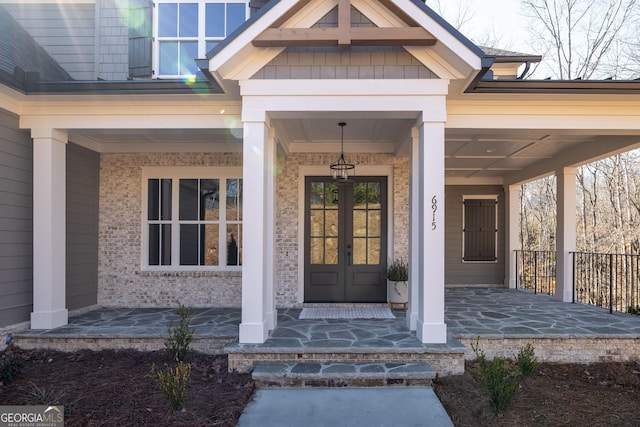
(503, 320)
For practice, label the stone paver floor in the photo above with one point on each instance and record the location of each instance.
(470, 312)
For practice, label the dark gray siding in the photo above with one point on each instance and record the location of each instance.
(16, 230)
(470, 273)
(140, 38)
(83, 167)
(65, 31)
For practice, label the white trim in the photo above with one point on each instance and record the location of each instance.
(480, 197)
(349, 147)
(494, 197)
(345, 87)
(222, 173)
(201, 39)
(365, 170)
(49, 1)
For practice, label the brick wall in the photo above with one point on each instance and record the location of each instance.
(121, 283)
(561, 349)
(287, 210)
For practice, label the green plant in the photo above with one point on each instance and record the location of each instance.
(398, 270)
(497, 379)
(43, 396)
(499, 382)
(634, 310)
(526, 360)
(11, 365)
(179, 341)
(172, 382)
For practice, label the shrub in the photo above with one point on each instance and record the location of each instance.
(634, 310)
(497, 379)
(11, 365)
(179, 341)
(499, 382)
(526, 360)
(172, 382)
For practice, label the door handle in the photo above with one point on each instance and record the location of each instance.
(348, 255)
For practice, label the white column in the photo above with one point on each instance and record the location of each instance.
(257, 220)
(49, 237)
(414, 227)
(512, 241)
(565, 233)
(431, 327)
(270, 214)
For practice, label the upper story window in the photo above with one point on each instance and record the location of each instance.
(187, 29)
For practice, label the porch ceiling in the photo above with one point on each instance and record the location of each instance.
(471, 155)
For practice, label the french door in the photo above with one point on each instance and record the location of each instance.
(345, 240)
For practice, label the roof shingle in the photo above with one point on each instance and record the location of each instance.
(18, 50)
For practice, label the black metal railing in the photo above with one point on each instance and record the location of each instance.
(611, 281)
(607, 280)
(536, 271)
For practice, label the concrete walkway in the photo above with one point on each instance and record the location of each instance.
(353, 407)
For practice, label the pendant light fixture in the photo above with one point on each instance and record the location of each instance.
(340, 169)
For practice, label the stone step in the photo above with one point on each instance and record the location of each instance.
(340, 374)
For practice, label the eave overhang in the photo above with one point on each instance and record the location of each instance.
(556, 86)
(150, 87)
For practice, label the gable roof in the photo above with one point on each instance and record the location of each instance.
(238, 56)
(22, 58)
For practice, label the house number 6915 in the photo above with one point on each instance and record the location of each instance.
(434, 206)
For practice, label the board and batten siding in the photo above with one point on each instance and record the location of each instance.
(65, 30)
(458, 272)
(83, 177)
(16, 222)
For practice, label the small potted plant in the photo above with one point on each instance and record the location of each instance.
(398, 282)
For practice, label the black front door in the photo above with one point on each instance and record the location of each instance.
(345, 240)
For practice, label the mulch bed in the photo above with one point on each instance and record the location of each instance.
(601, 394)
(112, 388)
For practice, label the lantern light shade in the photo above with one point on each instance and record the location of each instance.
(340, 169)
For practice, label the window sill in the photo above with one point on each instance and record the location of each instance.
(218, 273)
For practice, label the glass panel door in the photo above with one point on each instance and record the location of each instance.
(345, 240)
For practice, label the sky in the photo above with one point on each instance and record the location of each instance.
(502, 16)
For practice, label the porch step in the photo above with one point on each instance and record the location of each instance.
(344, 304)
(309, 374)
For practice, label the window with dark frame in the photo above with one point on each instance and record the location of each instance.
(480, 230)
(185, 217)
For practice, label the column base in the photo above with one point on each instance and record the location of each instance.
(431, 333)
(272, 319)
(253, 333)
(49, 319)
(412, 320)
(563, 296)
